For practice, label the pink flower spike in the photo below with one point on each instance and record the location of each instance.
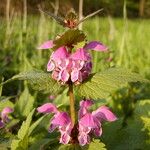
(47, 108)
(95, 45)
(5, 112)
(46, 45)
(103, 113)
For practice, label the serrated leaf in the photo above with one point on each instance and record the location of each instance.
(22, 141)
(39, 81)
(69, 38)
(96, 144)
(100, 85)
(25, 103)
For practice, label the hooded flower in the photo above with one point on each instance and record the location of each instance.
(66, 66)
(88, 123)
(91, 122)
(60, 121)
(4, 116)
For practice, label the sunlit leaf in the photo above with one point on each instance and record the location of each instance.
(69, 38)
(22, 141)
(39, 81)
(100, 85)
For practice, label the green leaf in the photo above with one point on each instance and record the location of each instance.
(70, 147)
(39, 81)
(22, 141)
(35, 124)
(40, 144)
(142, 108)
(100, 85)
(25, 126)
(96, 144)
(69, 38)
(6, 103)
(25, 103)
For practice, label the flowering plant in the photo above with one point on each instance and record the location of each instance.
(68, 69)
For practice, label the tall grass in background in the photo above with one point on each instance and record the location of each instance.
(128, 42)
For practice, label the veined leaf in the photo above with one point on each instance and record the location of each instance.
(69, 38)
(100, 85)
(39, 81)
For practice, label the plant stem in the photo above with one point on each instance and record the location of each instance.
(72, 103)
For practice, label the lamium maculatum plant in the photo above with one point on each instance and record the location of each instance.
(70, 68)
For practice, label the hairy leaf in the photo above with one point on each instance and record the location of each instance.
(39, 81)
(99, 85)
(70, 37)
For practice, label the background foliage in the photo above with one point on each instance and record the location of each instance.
(128, 41)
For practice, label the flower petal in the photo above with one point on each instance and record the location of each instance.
(47, 108)
(103, 113)
(83, 139)
(46, 45)
(60, 53)
(63, 75)
(84, 105)
(50, 65)
(95, 45)
(76, 75)
(87, 121)
(65, 138)
(81, 54)
(61, 119)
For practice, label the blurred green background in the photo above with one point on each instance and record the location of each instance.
(124, 26)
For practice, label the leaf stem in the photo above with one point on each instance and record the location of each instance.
(72, 103)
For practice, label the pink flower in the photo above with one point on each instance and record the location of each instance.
(4, 116)
(74, 67)
(88, 123)
(91, 122)
(60, 121)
